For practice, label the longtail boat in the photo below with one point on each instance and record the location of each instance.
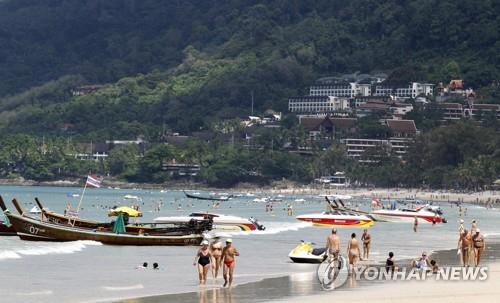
(6, 230)
(32, 229)
(210, 198)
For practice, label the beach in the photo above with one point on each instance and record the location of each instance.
(86, 271)
(298, 288)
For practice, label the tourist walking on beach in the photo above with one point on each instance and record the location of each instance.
(461, 227)
(479, 246)
(415, 224)
(202, 260)
(366, 238)
(464, 246)
(353, 252)
(333, 244)
(216, 250)
(473, 227)
(228, 258)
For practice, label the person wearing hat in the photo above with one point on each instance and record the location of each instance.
(229, 261)
(216, 249)
(479, 246)
(202, 260)
(473, 227)
(461, 228)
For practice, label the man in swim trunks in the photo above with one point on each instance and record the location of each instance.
(353, 252)
(333, 244)
(479, 245)
(216, 249)
(228, 258)
(366, 238)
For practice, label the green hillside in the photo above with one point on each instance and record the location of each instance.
(204, 59)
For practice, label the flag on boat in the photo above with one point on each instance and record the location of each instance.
(93, 181)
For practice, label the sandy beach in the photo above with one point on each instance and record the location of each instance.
(304, 287)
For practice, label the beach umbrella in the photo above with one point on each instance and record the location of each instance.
(119, 226)
(124, 210)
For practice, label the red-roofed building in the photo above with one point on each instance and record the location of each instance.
(327, 127)
(402, 128)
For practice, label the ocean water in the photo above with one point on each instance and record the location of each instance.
(87, 271)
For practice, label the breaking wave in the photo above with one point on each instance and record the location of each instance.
(46, 249)
(272, 228)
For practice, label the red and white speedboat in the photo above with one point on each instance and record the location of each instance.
(220, 222)
(424, 214)
(337, 218)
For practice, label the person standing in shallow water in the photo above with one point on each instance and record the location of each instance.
(216, 249)
(479, 246)
(366, 238)
(415, 224)
(464, 246)
(229, 261)
(353, 252)
(202, 260)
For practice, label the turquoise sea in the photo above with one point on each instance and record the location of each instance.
(86, 271)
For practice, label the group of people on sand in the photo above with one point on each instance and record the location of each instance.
(471, 244)
(353, 247)
(214, 256)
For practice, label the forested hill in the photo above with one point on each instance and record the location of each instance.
(204, 58)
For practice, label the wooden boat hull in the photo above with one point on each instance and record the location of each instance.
(6, 230)
(34, 230)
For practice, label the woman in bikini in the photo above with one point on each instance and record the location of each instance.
(353, 252)
(203, 259)
(216, 249)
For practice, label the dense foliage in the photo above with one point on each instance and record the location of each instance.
(185, 66)
(222, 53)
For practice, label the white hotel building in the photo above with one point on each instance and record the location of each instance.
(348, 90)
(317, 104)
(413, 90)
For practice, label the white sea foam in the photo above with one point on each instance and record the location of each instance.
(272, 228)
(36, 293)
(120, 288)
(46, 249)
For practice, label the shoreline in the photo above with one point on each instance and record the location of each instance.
(486, 197)
(303, 286)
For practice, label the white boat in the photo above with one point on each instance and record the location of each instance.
(337, 218)
(220, 222)
(131, 197)
(424, 214)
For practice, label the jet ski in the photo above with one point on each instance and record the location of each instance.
(306, 253)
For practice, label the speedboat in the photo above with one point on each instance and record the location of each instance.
(220, 222)
(337, 217)
(424, 214)
(306, 253)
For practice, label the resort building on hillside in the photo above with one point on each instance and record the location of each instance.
(357, 148)
(348, 90)
(326, 127)
(451, 111)
(477, 110)
(402, 128)
(317, 104)
(413, 90)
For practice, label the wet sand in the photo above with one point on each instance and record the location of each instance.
(304, 287)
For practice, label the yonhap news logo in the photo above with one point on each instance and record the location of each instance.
(334, 274)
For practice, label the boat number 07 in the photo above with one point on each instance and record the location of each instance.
(34, 230)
